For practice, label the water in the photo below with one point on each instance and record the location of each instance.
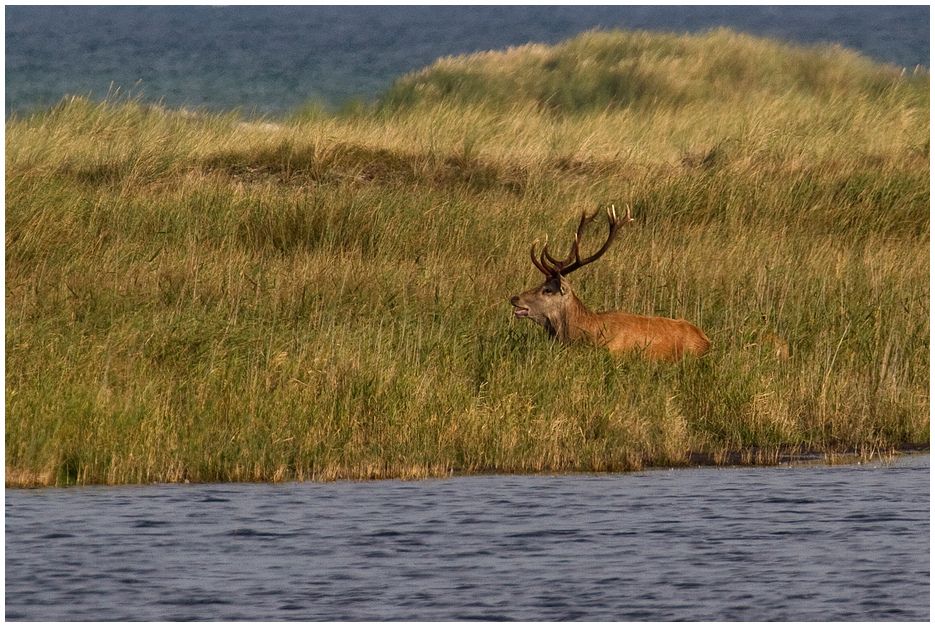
(274, 59)
(806, 543)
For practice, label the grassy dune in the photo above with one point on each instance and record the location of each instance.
(199, 297)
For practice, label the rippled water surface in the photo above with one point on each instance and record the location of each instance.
(801, 543)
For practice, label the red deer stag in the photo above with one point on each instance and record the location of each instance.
(555, 306)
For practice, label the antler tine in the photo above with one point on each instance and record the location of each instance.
(628, 218)
(540, 266)
(556, 263)
(613, 226)
(574, 253)
(584, 221)
(550, 266)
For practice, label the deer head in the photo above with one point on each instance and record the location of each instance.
(549, 303)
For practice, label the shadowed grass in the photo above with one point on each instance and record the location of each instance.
(198, 297)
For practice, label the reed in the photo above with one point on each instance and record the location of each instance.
(199, 297)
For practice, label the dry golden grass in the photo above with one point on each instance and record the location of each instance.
(202, 298)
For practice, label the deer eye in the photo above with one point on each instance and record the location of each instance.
(548, 290)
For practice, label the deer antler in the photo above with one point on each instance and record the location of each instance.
(550, 266)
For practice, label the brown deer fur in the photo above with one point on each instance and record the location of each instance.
(555, 306)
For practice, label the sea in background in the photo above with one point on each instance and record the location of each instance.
(273, 60)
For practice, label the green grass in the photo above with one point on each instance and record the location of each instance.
(199, 297)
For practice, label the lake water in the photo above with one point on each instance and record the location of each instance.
(274, 59)
(839, 543)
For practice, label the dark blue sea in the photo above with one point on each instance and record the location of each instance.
(273, 60)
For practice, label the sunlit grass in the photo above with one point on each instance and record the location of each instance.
(199, 297)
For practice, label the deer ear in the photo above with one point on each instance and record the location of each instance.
(563, 286)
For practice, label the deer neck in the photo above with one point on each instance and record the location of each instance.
(573, 323)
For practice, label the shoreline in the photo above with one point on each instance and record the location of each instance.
(733, 459)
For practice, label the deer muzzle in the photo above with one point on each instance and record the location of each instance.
(518, 310)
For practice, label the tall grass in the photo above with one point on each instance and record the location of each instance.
(204, 298)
